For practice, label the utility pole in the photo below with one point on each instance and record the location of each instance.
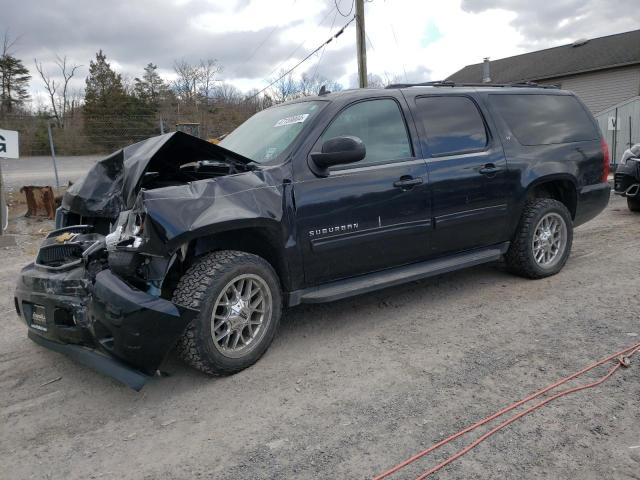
(361, 44)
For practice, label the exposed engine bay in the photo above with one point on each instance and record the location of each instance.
(102, 281)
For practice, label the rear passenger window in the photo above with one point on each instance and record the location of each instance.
(544, 119)
(379, 124)
(452, 124)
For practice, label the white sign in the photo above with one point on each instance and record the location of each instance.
(612, 124)
(291, 120)
(9, 144)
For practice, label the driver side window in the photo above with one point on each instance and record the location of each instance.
(379, 124)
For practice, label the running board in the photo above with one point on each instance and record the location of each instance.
(396, 276)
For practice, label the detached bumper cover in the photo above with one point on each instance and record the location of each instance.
(110, 326)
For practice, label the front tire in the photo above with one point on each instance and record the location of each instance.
(240, 304)
(542, 242)
(633, 204)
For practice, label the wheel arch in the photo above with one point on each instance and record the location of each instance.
(561, 187)
(261, 240)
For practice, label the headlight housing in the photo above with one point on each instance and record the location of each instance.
(128, 232)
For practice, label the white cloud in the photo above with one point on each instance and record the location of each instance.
(432, 40)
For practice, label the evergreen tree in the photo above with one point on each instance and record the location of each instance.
(14, 83)
(151, 88)
(104, 93)
(114, 118)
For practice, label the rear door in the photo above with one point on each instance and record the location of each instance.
(467, 173)
(370, 215)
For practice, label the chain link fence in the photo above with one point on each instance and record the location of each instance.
(82, 135)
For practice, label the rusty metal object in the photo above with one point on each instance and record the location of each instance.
(41, 201)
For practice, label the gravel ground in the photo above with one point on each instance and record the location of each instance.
(350, 388)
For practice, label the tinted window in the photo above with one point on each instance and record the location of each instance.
(452, 124)
(379, 124)
(544, 119)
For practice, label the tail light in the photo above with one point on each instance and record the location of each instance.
(606, 160)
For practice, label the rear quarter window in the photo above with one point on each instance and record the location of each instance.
(453, 124)
(544, 119)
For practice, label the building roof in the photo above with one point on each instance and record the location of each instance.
(596, 54)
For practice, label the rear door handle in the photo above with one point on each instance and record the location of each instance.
(407, 182)
(489, 169)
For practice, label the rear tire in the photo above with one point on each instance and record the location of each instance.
(633, 204)
(542, 242)
(240, 303)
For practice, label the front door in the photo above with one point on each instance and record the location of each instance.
(467, 173)
(372, 214)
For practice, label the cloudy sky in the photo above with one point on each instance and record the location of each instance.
(416, 40)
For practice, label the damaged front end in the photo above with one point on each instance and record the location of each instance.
(96, 290)
(74, 304)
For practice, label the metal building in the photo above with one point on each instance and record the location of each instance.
(620, 125)
(602, 71)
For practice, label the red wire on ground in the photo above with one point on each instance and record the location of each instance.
(622, 357)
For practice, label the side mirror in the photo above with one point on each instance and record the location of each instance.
(337, 151)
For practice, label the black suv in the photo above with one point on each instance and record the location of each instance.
(175, 240)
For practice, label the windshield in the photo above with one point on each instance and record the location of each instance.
(269, 132)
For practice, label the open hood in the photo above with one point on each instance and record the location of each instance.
(112, 184)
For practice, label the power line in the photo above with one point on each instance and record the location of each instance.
(398, 49)
(344, 14)
(264, 41)
(326, 42)
(299, 46)
(325, 45)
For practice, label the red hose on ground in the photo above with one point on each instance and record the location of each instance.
(622, 357)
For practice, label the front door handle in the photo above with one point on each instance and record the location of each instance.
(489, 169)
(407, 181)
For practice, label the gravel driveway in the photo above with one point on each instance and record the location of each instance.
(351, 388)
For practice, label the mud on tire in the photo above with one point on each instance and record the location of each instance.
(199, 288)
(520, 257)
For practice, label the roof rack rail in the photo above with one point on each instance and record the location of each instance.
(448, 83)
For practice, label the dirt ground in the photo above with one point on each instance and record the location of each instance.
(351, 388)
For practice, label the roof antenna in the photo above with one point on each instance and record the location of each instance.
(323, 90)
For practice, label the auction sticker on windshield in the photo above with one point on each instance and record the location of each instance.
(291, 120)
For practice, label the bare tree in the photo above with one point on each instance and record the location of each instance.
(227, 93)
(208, 71)
(8, 43)
(284, 88)
(186, 85)
(375, 81)
(58, 91)
(195, 82)
(311, 84)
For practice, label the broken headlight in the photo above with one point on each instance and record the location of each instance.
(128, 232)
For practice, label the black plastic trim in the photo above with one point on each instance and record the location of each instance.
(396, 276)
(101, 363)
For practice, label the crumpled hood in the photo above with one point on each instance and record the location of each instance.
(111, 185)
(206, 206)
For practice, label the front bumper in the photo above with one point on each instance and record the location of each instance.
(107, 324)
(627, 179)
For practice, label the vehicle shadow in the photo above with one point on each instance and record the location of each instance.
(314, 324)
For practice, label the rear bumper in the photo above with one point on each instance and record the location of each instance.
(592, 200)
(107, 325)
